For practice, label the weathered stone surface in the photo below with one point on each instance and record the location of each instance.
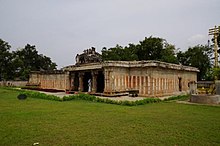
(192, 87)
(149, 63)
(217, 87)
(13, 83)
(89, 56)
(90, 66)
(206, 99)
(150, 81)
(50, 80)
(150, 78)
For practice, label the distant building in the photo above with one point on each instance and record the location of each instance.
(91, 74)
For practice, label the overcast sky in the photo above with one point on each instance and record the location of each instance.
(62, 28)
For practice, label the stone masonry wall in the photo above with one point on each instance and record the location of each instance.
(34, 79)
(13, 83)
(151, 78)
(116, 79)
(150, 81)
(59, 81)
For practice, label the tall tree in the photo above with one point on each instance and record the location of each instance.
(45, 63)
(5, 60)
(169, 54)
(112, 53)
(151, 48)
(27, 59)
(198, 56)
(18, 64)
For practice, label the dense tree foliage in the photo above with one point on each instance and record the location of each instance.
(119, 53)
(198, 56)
(5, 60)
(27, 59)
(18, 64)
(151, 48)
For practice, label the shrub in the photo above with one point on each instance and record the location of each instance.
(128, 103)
(93, 98)
(179, 97)
(38, 95)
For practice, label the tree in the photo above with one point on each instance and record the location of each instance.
(27, 59)
(130, 53)
(45, 63)
(5, 60)
(169, 54)
(112, 53)
(149, 49)
(198, 56)
(118, 53)
(18, 64)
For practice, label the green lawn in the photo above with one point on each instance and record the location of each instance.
(87, 123)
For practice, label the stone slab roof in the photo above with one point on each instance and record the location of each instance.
(129, 64)
(48, 72)
(149, 63)
(88, 66)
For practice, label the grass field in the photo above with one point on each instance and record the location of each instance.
(87, 123)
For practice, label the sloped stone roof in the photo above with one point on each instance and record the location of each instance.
(88, 56)
(130, 64)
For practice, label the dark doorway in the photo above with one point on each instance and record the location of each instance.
(180, 84)
(87, 82)
(76, 82)
(100, 82)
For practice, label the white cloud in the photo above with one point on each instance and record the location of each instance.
(61, 29)
(197, 39)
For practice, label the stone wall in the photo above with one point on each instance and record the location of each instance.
(150, 81)
(151, 78)
(34, 78)
(205, 99)
(52, 80)
(13, 83)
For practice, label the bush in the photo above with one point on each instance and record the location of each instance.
(120, 102)
(38, 95)
(179, 97)
(93, 98)
(110, 101)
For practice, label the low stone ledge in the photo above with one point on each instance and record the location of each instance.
(205, 98)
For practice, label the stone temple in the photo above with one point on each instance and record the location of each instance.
(91, 74)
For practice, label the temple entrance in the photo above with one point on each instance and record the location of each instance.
(76, 82)
(180, 84)
(87, 82)
(100, 82)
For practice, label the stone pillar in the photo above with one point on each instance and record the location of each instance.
(192, 87)
(67, 81)
(94, 81)
(127, 81)
(81, 74)
(155, 86)
(108, 86)
(72, 77)
(131, 82)
(106, 90)
(138, 82)
(122, 82)
(217, 86)
(145, 86)
(134, 82)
